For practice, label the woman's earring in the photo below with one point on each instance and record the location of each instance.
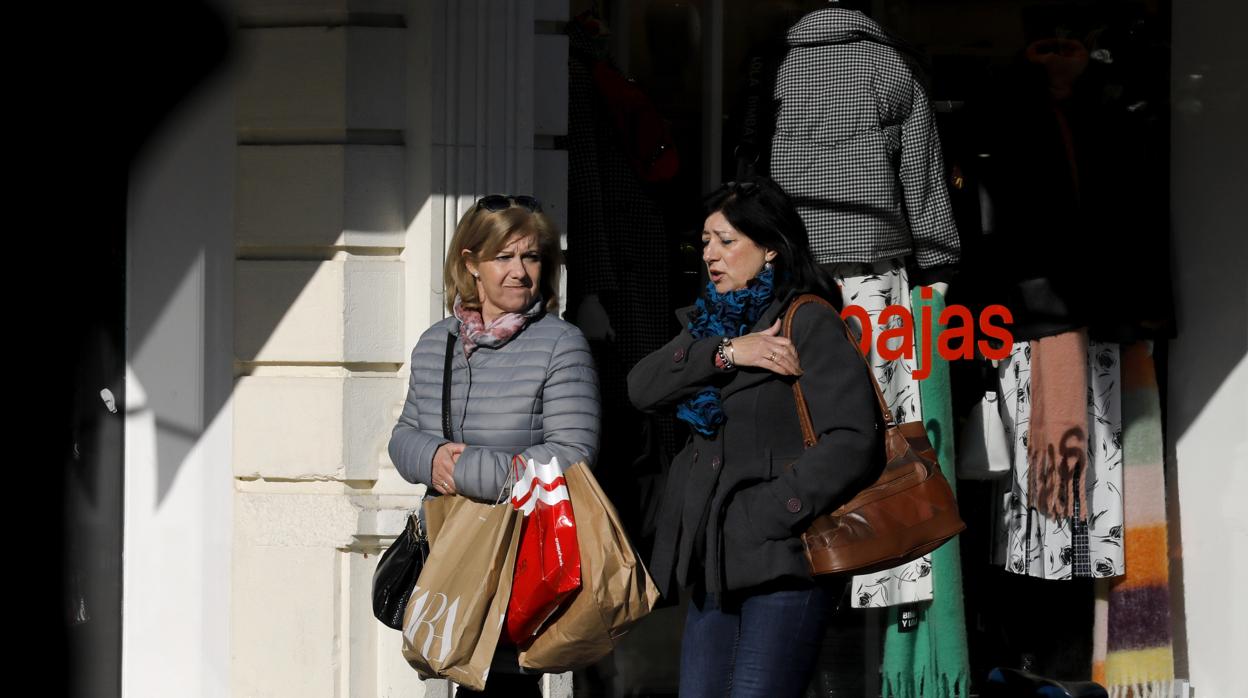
(476, 275)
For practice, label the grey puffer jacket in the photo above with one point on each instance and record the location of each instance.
(536, 395)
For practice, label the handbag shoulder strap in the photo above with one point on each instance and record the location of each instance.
(446, 387)
(803, 411)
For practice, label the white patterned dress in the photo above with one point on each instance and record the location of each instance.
(875, 287)
(1031, 543)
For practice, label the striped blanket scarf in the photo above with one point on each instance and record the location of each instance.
(1132, 654)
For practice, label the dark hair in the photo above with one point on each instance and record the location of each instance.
(760, 209)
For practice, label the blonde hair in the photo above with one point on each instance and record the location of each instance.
(485, 232)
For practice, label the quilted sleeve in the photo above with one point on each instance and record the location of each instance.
(411, 449)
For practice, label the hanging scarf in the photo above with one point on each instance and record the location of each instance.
(475, 333)
(730, 314)
(931, 660)
(1132, 646)
(1057, 439)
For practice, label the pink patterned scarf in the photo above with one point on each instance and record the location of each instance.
(474, 332)
(1057, 437)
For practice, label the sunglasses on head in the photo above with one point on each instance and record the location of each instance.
(497, 202)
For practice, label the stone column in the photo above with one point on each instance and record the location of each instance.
(365, 129)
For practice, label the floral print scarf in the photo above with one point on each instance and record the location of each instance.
(475, 333)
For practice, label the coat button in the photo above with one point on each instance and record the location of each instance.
(678, 355)
(794, 505)
(715, 463)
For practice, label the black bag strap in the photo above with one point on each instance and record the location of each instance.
(416, 521)
(446, 387)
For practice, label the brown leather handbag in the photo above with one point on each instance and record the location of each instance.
(908, 512)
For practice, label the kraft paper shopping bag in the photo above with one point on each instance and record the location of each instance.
(456, 612)
(616, 591)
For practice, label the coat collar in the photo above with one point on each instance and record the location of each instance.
(833, 25)
(837, 25)
(747, 377)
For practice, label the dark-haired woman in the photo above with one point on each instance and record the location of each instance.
(743, 489)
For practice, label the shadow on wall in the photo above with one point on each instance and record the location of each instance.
(306, 183)
(1209, 249)
(1211, 301)
(100, 85)
(174, 237)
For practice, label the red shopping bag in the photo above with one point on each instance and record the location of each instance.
(548, 563)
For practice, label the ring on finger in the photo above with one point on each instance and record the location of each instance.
(771, 356)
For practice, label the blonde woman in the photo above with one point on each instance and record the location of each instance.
(521, 380)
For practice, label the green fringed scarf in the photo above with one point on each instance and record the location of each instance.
(932, 660)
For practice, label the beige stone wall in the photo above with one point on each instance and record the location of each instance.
(365, 129)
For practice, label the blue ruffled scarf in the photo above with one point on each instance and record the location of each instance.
(729, 314)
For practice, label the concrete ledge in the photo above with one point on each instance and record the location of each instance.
(313, 429)
(294, 521)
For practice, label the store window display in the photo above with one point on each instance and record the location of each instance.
(855, 144)
(1008, 153)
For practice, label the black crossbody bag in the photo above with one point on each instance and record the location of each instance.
(401, 563)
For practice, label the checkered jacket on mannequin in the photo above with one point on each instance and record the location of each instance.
(856, 146)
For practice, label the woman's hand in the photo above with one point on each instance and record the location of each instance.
(766, 350)
(444, 466)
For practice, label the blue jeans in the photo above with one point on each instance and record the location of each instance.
(754, 644)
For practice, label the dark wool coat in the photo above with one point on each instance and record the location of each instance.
(736, 504)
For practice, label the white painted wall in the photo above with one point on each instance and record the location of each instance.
(179, 351)
(1208, 377)
(307, 262)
